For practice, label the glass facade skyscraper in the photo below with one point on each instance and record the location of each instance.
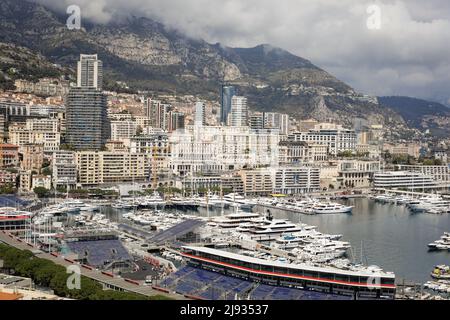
(227, 92)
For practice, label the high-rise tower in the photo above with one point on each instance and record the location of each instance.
(239, 111)
(90, 71)
(87, 122)
(227, 92)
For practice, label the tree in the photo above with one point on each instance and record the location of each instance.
(8, 188)
(61, 189)
(139, 130)
(41, 192)
(46, 273)
(345, 154)
(45, 164)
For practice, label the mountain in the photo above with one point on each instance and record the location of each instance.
(21, 63)
(149, 56)
(421, 114)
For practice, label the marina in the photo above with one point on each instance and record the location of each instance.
(372, 235)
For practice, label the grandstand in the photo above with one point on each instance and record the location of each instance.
(101, 251)
(211, 285)
(176, 232)
(12, 201)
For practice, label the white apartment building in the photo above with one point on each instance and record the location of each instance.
(282, 180)
(372, 151)
(239, 111)
(257, 182)
(270, 120)
(294, 152)
(318, 152)
(439, 173)
(124, 129)
(99, 167)
(36, 131)
(25, 181)
(295, 180)
(156, 146)
(50, 125)
(335, 137)
(411, 149)
(64, 169)
(403, 180)
(142, 121)
(158, 114)
(277, 120)
(41, 181)
(200, 114)
(216, 149)
(89, 71)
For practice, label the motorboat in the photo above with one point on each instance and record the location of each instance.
(234, 220)
(271, 228)
(441, 272)
(430, 203)
(327, 208)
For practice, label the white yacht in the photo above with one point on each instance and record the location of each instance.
(383, 197)
(234, 220)
(238, 200)
(89, 208)
(290, 241)
(271, 228)
(442, 244)
(430, 203)
(152, 201)
(247, 226)
(332, 208)
(403, 199)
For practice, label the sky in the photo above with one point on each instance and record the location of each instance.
(379, 47)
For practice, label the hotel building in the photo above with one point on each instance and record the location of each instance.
(335, 137)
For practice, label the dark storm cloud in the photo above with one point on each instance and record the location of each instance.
(408, 55)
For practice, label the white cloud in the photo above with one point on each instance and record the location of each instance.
(406, 56)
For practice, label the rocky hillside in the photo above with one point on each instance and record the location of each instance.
(17, 62)
(147, 55)
(421, 114)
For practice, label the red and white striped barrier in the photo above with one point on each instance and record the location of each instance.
(87, 267)
(193, 297)
(109, 274)
(160, 289)
(132, 281)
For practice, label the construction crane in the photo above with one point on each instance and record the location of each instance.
(154, 167)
